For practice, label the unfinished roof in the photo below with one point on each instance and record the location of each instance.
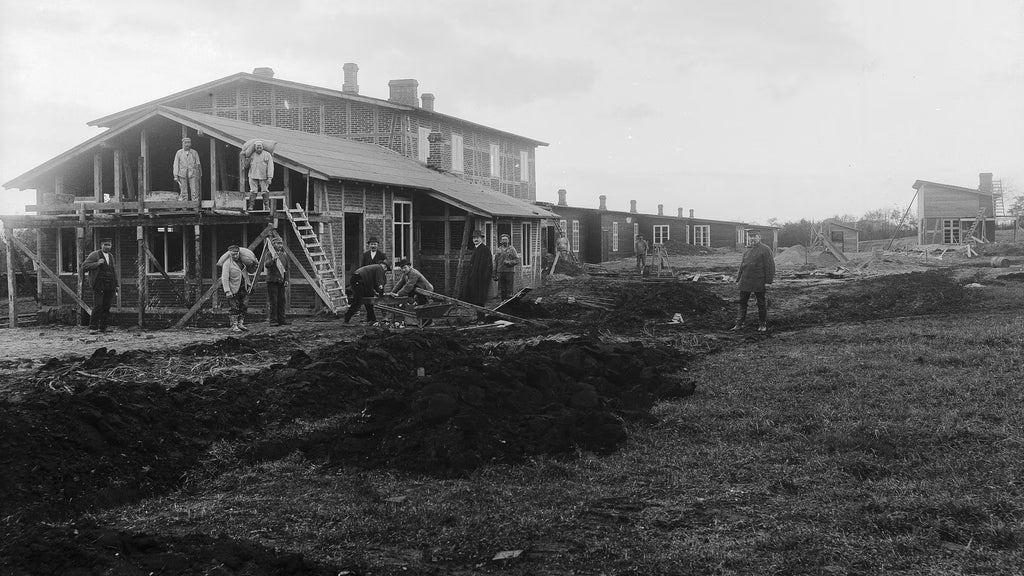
(918, 184)
(326, 158)
(117, 117)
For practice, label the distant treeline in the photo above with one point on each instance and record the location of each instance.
(880, 224)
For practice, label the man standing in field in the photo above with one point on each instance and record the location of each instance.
(506, 258)
(641, 247)
(102, 273)
(757, 270)
(235, 282)
(478, 279)
(277, 281)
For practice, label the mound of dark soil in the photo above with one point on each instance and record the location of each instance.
(85, 442)
(469, 409)
(889, 296)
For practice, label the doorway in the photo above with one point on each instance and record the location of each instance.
(353, 243)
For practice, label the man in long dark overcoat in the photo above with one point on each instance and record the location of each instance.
(757, 270)
(478, 280)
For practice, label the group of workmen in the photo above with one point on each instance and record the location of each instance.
(369, 279)
(257, 162)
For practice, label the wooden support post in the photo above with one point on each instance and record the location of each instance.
(214, 171)
(140, 280)
(39, 277)
(462, 250)
(141, 190)
(12, 284)
(79, 258)
(118, 177)
(97, 175)
(197, 264)
(146, 183)
(46, 270)
(216, 285)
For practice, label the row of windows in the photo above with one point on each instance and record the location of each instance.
(459, 151)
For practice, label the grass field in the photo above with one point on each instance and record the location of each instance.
(881, 448)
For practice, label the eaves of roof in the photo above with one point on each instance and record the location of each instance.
(645, 215)
(918, 184)
(116, 117)
(325, 158)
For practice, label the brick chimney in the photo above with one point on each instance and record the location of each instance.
(434, 159)
(405, 91)
(428, 101)
(632, 206)
(680, 213)
(691, 212)
(661, 209)
(985, 182)
(603, 199)
(351, 85)
(561, 197)
(264, 72)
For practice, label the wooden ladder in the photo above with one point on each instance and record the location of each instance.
(330, 288)
(966, 239)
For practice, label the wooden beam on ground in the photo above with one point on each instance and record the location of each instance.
(206, 295)
(46, 270)
(458, 302)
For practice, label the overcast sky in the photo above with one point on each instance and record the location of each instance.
(740, 110)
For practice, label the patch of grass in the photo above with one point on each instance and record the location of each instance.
(817, 452)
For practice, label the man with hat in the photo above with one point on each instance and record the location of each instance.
(277, 280)
(478, 279)
(235, 282)
(187, 171)
(366, 282)
(641, 248)
(261, 172)
(102, 272)
(506, 258)
(757, 270)
(373, 255)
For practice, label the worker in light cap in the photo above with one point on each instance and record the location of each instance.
(261, 172)
(187, 171)
(506, 258)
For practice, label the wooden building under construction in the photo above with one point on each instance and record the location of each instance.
(329, 196)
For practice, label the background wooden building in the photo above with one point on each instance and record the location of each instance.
(946, 213)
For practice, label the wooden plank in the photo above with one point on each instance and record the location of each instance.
(79, 258)
(216, 285)
(46, 270)
(462, 250)
(458, 302)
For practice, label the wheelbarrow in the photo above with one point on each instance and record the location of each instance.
(406, 311)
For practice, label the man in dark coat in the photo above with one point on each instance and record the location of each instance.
(373, 255)
(757, 270)
(478, 280)
(367, 282)
(102, 272)
(277, 280)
